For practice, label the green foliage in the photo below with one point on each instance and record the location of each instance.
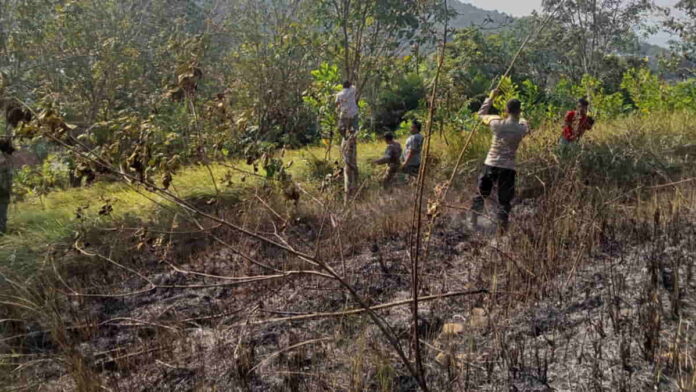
(650, 94)
(683, 95)
(316, 169)
(645, 90)
(604, 106)
(683, 23)
(53, 173)
(404, 95)
(320, 97)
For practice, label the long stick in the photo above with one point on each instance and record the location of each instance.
(417, 215)
(351, 312)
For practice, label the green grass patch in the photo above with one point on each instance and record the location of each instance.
(623, 151)
(37, 223)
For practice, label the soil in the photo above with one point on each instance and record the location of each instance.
(588, 330)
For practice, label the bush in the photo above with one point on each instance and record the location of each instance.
(316, 168)
(53, 172)
(395, 102)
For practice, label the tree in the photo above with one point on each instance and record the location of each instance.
(275, 46)
(590, 29)
(366, 34)
(685, 28)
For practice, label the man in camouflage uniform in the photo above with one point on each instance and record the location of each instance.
(391, 158)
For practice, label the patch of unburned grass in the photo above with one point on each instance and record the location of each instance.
(622, 152)
(37, 223)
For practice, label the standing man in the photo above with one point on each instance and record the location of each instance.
(6, 150)
(346, 102)
(577, 122)
(391, 158)
(499, 168)
(412, 154)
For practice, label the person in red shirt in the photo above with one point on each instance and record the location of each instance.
(577, 122)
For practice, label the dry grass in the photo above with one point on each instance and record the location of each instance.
(590, 290)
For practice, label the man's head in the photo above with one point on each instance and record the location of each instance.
(388, 137)
(514, 107)
(415, 127)
(583, 106)
(347, 84)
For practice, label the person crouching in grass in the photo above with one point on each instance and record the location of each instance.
(391, 158)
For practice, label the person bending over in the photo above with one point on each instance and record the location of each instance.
(499, 168)
(391, 158)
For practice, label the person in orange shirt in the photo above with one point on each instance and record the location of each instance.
(577, 122)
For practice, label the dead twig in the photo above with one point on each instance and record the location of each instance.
(314, 316)
(294, 346)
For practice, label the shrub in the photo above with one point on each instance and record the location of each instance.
(53, 172)
(394, 102)
(316, 168)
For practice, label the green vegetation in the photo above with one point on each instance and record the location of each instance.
(182, 194)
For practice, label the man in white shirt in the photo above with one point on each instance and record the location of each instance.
(346, 101)
(347, 104)
(412, 153)
(499, 168)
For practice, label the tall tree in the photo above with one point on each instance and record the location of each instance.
(591, 29)
(365, 34)
(684, 26)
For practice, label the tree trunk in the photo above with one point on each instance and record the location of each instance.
(349, 152)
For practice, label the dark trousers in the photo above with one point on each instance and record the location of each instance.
(504, 179)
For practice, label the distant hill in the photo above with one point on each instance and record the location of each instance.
(469, 15)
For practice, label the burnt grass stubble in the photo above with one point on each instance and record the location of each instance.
(580, 299)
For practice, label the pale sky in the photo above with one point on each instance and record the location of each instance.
(525, 7)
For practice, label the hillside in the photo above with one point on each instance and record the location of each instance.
(469, 15)
(206, 195)
(589, 290)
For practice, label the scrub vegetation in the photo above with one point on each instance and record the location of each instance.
(178, 222)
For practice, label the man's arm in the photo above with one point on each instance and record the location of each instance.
(386, 158)
(409, 155)
(409, 151)
(589, 122)
(486, 108)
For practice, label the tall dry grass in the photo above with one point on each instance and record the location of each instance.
(611, 197)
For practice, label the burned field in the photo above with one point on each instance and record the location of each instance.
(183, 309)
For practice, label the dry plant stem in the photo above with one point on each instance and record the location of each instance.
(235, 280)
(167, 195)
(415, 238)
(298, 345)
(352, 312)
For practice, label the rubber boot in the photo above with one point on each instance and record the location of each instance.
(503, 221)
(476, 210)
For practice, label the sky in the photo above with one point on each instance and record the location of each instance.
(525, 7)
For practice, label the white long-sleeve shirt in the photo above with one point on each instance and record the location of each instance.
(347, 102)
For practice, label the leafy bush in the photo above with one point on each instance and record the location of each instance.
(395, 101)
(53, 172)
(645, 90)
(316, 168)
